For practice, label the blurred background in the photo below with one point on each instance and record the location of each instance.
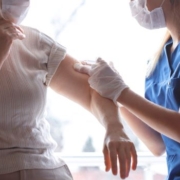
(91, 29)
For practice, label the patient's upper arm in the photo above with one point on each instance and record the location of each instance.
(71, 84)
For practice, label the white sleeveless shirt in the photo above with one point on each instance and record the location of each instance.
(25, 140)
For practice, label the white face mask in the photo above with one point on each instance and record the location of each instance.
(14, 10)
(148, 19)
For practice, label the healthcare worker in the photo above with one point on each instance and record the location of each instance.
(156, 118)
(30, 62)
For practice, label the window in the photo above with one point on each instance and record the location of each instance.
(90, 166)
(90, 29)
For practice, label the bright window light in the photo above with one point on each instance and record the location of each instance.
(91, 29)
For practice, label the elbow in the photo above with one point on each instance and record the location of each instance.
(178, 136)
(158, 152)
(157, 149)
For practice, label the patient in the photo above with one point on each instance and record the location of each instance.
(30, 62)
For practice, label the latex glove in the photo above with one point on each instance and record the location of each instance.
(103, 78)
(118, 146)
(8, 33)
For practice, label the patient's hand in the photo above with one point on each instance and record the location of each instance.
(8, 33)
(119, 148)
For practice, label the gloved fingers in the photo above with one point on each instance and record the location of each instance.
(93, 64)
(85, 69)
(88, 62)
(97, 67)
(111, 64)
(106, 64)
(89, 67)
(103, 78)
(100, 60)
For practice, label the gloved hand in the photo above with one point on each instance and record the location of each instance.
(103, 78)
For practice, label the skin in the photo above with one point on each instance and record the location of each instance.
(172, 15)
(134, 118)
(8, 33)
(146, 118)
(154, 4)
(67, 82)
(117, 146)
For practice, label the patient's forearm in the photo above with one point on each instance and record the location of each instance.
(105, 111)
(75, 86)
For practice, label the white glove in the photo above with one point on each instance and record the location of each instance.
(103, 78)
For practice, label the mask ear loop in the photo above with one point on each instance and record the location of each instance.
(162, 3)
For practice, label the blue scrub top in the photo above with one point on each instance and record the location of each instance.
(163, 88)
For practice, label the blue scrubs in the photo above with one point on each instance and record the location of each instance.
(163, 88)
